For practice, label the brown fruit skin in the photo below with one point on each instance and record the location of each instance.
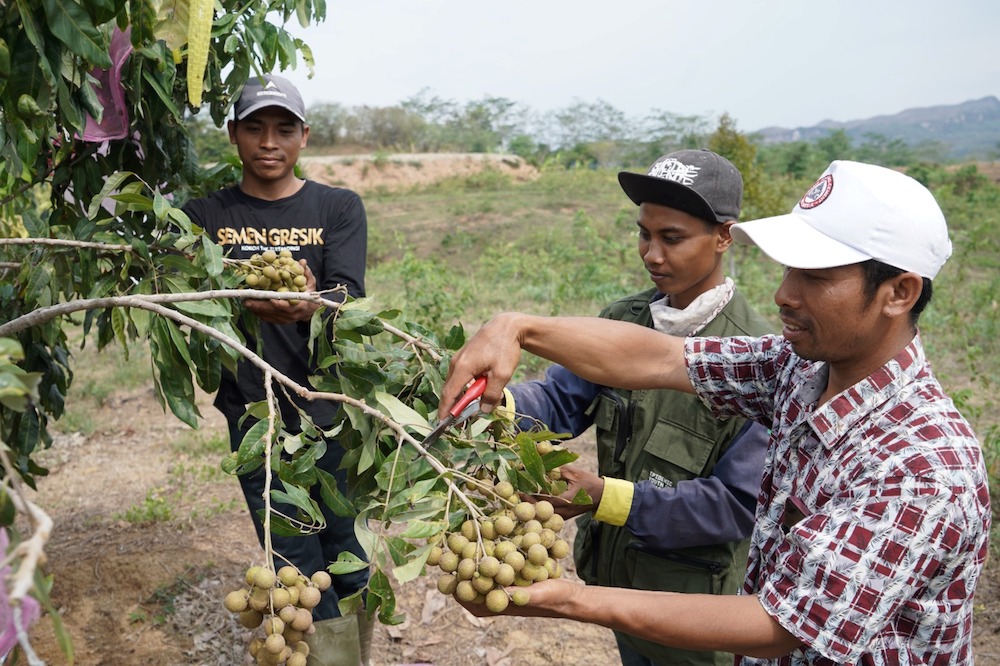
(309, 597)
(274, 643)
(296, 659)
(303, 620)
(496, 601)
(465, 591)
(288, 575)
(447, 583)
(264, 578)
(251, 619)
(236, 602)
(322, 580)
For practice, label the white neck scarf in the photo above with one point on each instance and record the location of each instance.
(694, 317)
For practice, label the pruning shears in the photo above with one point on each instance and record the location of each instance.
(463, 409)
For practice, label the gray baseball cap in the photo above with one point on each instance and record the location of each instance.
(698, 182)
(269, 90)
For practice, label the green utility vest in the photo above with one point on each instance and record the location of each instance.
(665, 437)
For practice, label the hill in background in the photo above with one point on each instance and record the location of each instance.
(970, 130)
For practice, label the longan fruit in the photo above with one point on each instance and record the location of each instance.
(449, 562)
(275, 643)
(466, 569)
(555, 523)
(303, 619)
(456, 542)
(434, 556)
(251, 619)
(489, 566)
(269, 256)
(469, 530)
(521, 597)
(288, 575)
(309, 597)
(503, 525)
(465, 592)
(504, 489)
(236, 601)
(447, 583)
(280, 598)
(505, 575)
(322, 580)
(524, 511)
(537, 554)
(487, 530)
(264, 578)
(296, 659)
(515, 559)
(544, 510)
(496, 601)
(482, 584)
(560, 549)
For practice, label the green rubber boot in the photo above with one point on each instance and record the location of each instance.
(335, 642)
(366, 628)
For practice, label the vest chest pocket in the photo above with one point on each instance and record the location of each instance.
(674, 453)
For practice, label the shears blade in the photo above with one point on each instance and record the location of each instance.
(463, 409)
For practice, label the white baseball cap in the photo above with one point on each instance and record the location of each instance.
(853, 213)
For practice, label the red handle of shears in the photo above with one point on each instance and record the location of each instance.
(474, 391)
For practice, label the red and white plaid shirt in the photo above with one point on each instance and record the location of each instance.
(873, 518)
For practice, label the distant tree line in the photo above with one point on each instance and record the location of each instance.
(583, 134)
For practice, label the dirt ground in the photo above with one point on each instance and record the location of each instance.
(150, 593)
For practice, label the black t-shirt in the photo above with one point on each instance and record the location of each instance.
(324, 225)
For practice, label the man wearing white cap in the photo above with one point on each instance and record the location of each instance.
(873, 517)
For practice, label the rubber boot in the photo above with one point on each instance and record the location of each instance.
(335, 642)
(366, 628)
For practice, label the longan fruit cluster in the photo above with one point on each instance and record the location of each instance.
(276, 271)
(519, 545)
(283, 604)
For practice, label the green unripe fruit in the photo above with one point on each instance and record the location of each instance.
(487, 530)
(269, 256)
(434, 556)
(447, 584)
(496, 601)
(471, 550)
(469, 530)
(270, 273)
(521, 597)
(251, 280)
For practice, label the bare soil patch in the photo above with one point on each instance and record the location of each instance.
(366, 173)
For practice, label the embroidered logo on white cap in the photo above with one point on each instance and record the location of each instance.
(818, 193)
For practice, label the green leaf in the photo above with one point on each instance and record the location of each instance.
(423, 529)
(212, 255)
(332, 496)
(110, 185)
(204, 308)
(252, 444)
(72, 25)
(299, 498)
(414, 567)
(346, 563)
(531, 460)
(395, 409)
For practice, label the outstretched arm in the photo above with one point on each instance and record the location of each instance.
(584, 345)
(728, 623)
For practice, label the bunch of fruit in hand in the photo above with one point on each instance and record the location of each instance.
(270, 270)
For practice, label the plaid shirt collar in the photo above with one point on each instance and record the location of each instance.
(844, 411)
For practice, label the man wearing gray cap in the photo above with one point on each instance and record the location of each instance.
(675, 488)
(873, 518)
(325, 229)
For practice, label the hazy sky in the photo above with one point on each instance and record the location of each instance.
(787, 63)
